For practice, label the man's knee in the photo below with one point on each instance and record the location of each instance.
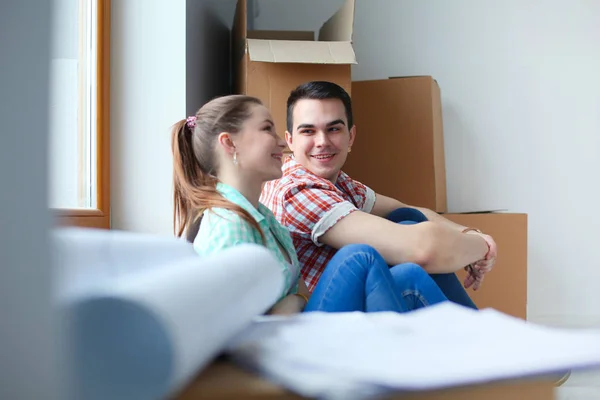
(351, 249)
(408, 271)
(362, 256)
(407, 215)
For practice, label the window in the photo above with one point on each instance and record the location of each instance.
(79, 170)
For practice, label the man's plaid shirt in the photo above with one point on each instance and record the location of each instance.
(309, 206)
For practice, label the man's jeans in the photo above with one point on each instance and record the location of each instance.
(358, 279)
(449, 283)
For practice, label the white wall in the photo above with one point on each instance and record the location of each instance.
(29, 364)
(167, 58)
(148, 95)
(521, 103)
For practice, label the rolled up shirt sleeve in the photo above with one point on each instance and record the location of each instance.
(315, 210)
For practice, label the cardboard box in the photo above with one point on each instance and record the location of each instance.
(399, 148)
(223, 380)
(505, 286)
(270, 64)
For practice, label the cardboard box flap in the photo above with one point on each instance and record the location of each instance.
(411, 77)
(477, 211)
(339, 27)
(291, 51)
(281, 35)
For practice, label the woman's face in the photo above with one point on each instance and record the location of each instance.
(259, 148)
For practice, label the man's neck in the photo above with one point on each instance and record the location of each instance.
(290, 168)
(336, 176)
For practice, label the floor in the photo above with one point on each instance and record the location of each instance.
(580, 386)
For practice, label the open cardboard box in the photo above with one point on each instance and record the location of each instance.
(270, 64)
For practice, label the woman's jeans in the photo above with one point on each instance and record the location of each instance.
(449, 283)
(358, 279)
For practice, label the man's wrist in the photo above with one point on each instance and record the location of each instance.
(471, 230)
(475, 231)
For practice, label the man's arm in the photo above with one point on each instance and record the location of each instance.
(438, 248)
(385, 205)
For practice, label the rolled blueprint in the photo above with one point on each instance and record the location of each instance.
(144, 314)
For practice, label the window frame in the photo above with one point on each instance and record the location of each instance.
(100, 216)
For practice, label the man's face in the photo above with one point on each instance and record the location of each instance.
(321, 136)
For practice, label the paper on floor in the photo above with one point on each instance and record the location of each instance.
(441, 346)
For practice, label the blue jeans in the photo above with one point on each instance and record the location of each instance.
(358, 279)
(449, 283)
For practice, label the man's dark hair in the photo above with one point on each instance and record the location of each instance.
(318, 90)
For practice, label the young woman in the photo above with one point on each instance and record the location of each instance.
(222, 156)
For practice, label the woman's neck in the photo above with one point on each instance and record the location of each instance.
(248, 188)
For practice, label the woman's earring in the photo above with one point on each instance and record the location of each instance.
(235, 161)
(349, 149)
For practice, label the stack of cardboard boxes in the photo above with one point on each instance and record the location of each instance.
(399, 150)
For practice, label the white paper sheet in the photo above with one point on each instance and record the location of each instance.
(354, 354)
(145, 314)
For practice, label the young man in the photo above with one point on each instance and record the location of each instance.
(325, 209)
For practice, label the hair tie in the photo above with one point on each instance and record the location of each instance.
(191, 122)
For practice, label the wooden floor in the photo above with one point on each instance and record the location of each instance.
(223, 381)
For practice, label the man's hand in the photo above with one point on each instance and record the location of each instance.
(474, 278)
(488, 262)
(480, 268)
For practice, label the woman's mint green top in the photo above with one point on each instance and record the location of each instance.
(221, 228)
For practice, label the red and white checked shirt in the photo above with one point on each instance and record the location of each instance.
(309, 206)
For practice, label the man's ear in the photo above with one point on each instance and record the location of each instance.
(225, 141)
(289, 140)
(352, 135)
